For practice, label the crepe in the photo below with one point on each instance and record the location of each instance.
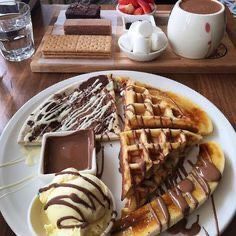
(86, 105)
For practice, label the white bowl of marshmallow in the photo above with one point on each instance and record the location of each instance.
(143, 41)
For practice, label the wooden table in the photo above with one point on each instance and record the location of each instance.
(18, 84)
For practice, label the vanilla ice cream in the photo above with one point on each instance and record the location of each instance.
(76, 204)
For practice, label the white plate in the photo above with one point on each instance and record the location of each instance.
(14, 207)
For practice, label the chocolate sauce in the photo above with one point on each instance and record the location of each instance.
(88, 83)
(206, 233)
(74, 150)
(200, 6)
(89, 105)
(179, 200)
(163, 209)
(181, 227)
(80, 224)
(208, 171)
(215, 215)
(100, 173)
(177, 193)
(186, 186)
(61, 200)
(154, 214)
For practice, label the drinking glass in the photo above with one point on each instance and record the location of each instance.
(16, 33)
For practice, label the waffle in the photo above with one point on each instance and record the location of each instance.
(166, 210)
(148, 156)
(147, 107)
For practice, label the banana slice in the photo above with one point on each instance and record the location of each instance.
(186, 196)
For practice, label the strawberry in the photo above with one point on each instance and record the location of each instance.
(138, 11)
(127, 2)
(124, 2)
(134, 3)
(128, 9)
(151, 6)
(151, 1)
(145, 6)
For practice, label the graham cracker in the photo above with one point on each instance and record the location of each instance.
(77, 46)
(94, 43)
(60, 43)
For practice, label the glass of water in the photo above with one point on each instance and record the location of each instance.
(16, 33)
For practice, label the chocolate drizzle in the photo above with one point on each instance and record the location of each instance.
(61, 200)
(89, 105)
(163, 209)
(181, 227)
(179, 200)
(177, 193)
(215, 215)
(162, 107)
(100, 173)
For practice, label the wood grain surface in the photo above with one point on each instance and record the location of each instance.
(18, 84)
(168, 62)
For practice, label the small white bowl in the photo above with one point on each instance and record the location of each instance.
(49, 177)
(134, 18)
(141, 56)
(130, 15)
(36, 223)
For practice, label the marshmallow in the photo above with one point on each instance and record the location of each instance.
(141, 45)
(134, 25)
(125, 41)
(158, 40)
(145, 28)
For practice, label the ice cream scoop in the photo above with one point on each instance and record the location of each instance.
(75, 204)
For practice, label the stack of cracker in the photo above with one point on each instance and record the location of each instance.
(77, 46)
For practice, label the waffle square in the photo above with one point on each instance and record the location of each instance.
(147, 107)
(148, 156)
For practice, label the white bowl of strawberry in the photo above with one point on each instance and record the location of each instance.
(136, 7)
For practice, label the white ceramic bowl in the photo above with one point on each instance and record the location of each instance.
(49, 177)
(141, 56)
(130, 15)
(133, 18)
(36, 223)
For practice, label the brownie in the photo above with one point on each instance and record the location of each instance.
(87, 27)
(84, 11)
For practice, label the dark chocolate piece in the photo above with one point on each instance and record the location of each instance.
(83, 11)
(87, 27)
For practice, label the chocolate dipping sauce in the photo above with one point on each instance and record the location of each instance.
(74, 150)
(200, 6)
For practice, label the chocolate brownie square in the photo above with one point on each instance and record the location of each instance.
(83, 11)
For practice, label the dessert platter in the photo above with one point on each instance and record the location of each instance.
(84, 37)
(120, 153)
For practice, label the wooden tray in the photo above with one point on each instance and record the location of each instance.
(224, 61)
